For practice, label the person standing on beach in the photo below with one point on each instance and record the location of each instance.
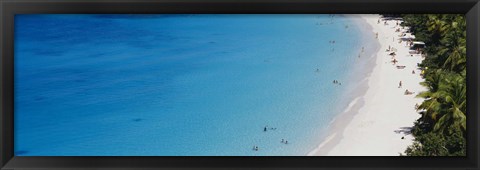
(400, 84)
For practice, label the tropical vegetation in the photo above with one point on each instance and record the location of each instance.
(441, 129)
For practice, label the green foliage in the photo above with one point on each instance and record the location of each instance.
(445, 36)
(429, 144)
(433, 144)
(440, 131)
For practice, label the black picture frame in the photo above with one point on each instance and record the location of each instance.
(9, 8)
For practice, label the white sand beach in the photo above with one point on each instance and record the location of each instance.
(374, 124)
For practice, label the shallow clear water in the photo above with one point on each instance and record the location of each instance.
(141, 85)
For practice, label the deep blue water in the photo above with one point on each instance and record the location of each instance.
(141, 85)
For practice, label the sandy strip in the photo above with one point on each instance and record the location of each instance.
(374, 124)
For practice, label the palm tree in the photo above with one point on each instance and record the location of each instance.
(453, 93)
(438, 27)
(444, 107)
(455, 45)
(445, 101)
(456, 59)
(431, 104)
(436, 24)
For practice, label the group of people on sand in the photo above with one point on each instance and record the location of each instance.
(394, 59)
(409, 43)
(385, 22)
(407, 92)
(391, 52)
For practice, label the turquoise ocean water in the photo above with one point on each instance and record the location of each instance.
(181, 85)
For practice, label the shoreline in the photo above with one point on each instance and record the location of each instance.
(375, 122)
